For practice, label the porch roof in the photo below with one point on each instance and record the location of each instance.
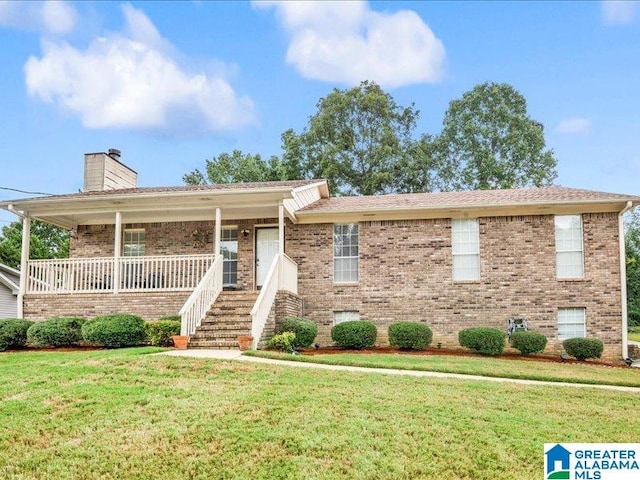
(157, 204)
(461, 204)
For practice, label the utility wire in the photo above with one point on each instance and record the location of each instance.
(24, 191)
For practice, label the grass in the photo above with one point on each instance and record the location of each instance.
(484, 366)
(127, 415)
(634, 334)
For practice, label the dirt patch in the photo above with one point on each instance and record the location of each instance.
(431, 351)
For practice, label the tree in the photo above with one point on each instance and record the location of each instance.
(46, 241)
(236, 167)
(359, 139)
(632, 249)
(489, 141)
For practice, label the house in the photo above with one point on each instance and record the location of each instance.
(232, 259)
(9, 289)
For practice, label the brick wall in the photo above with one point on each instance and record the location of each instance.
(406, 275)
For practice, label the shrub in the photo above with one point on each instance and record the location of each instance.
(583, 348)
(483, 340)
(114, 331)
(410, 335)
(160, 332)
(283, 342)
(355, 334)
(13, 332)
(56, 332)
(633, 318)
(306, 330)
(528, 342)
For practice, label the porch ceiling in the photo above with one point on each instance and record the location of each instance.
(71, 211)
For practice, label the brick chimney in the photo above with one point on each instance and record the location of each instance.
(104, 171)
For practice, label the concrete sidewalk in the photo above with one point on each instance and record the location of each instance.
(237, 356)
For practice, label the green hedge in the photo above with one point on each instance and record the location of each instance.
(283, 342)
(13, 332)
(355, 334)
(306, 330)
(410, 335)
(528, 342)
(583, 348)
(160, 332)
(56, 332)
(115, 331)
(483, 340)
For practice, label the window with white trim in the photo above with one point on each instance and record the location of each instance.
(134, 242)
(571, 323)
(346, 316)
(229, 248)
(569, 249)
(345, 253)
(465, 249)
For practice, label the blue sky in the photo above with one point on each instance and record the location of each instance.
(172, 84)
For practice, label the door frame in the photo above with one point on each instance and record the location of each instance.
(257, 227)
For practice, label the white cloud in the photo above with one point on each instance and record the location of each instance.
(50, 17)
(131, 80)
(347, 42)
(574, 125)
(619, 12)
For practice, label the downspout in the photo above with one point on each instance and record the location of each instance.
(623, 279)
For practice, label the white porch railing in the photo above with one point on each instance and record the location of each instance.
(282, 275)
(137, 274)
(202, 298)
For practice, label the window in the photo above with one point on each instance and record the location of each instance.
(571, 323)
(134, 243)
(569, 255)
(346, 316)
(345, 253)
(229, 247)
(465, 247)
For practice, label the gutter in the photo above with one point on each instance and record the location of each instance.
(623, 280)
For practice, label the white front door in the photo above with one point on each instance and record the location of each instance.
(266, 251)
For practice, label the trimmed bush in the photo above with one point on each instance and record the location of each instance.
(483, 340)
(528, 342)
(583, 348)
(115, 331)
(56, 332)
(160, 332)
(283, 342)
(410, 335)
(13, 332)
(306, 330)
(355, 334)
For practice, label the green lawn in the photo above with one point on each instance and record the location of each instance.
(121, 414)
(485, 366)
(634, 334)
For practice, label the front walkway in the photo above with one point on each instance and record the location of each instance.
(237, 355)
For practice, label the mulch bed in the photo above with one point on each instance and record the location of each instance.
(431, 351)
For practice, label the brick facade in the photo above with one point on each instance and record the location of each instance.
(405, 273)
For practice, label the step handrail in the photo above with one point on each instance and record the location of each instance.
(201, 300)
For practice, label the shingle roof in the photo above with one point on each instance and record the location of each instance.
(472, 198)
(183, 188)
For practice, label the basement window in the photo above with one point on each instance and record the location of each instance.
(345, 316)
(571, 323)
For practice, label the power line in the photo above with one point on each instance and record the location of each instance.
(25, 191)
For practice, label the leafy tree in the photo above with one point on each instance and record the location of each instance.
(359, 139)
(236, 167)
(46, 241)
(632, 249)
(489, 141)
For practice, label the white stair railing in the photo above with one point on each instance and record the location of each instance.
(282, 275)
(198, 304)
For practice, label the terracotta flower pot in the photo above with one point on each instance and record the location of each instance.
(245, 342)
(180, 341)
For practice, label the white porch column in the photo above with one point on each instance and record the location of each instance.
(24, 263)
(117, 248)
(218, 232)
(280, 228)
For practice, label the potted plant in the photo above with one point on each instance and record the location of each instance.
(245, 342)
(180, 341)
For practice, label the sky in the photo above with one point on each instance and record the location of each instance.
(172, 84)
